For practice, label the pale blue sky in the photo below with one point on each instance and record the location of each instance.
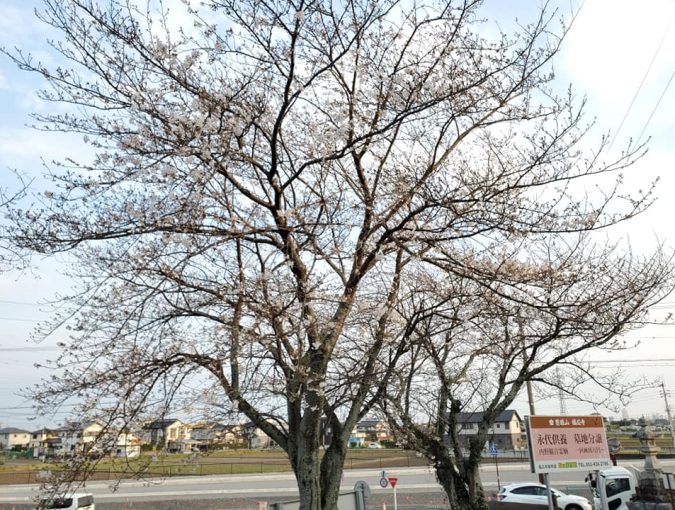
(605, 56)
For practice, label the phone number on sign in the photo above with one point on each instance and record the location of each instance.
(594, 463)
(561, 466)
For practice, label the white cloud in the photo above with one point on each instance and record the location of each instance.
(21, 146)
(19, 26)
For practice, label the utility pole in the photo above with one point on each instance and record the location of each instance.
(670, 419)
(561, 394)
(528, 383)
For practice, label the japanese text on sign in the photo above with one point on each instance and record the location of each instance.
(567, 443)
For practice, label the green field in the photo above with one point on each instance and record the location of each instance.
(224, 462)
(232, 462)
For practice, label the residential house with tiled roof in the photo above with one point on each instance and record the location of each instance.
(14, 438)
(255, 437)
(45, 442)
(170, 434)
(506, 433)
(370, 430)
(206, 435)
(126, 445)
(78, 438)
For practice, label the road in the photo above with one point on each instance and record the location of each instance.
(284, 485)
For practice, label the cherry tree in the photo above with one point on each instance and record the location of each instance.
(266, 179)
(480, 332)
(10, 257)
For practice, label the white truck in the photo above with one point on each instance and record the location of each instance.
(612, 488)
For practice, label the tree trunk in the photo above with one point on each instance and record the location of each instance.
(331, 473)
(306, 474)
(303, 452)
(318, 479)
(465, 491)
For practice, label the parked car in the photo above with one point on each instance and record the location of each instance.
(535, 494)
(77, 501)
(374, 445)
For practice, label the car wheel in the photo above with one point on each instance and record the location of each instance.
(573, 507)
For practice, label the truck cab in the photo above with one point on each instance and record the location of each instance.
(612, 488)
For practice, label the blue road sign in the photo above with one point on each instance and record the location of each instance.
(493, 450)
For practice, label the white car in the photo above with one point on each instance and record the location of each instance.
(77, 501)
(535, 494)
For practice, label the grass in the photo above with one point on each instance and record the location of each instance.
(226, 462)
(248, 461)
(212, 463)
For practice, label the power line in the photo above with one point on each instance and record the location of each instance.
(656, 106)
(644, 360)
(644, 77)
(28, 349)
(650, 365)
(651, 337)
(17, 319)
(26, 303)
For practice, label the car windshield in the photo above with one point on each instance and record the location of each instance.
(617, 486)
(84, 501)
(57, 503)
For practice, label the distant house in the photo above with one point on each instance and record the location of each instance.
(206, 435)
(255, 437)
(206, 431)
(127, 445)
(13, 438)
(506, 433)
(233, 434)
(45, 442)
(370, 431)
(170, 434)
(78, 438)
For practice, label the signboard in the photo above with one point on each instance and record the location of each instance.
(567, 443)
(493, 450)
(383, 482)
(393, 481)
